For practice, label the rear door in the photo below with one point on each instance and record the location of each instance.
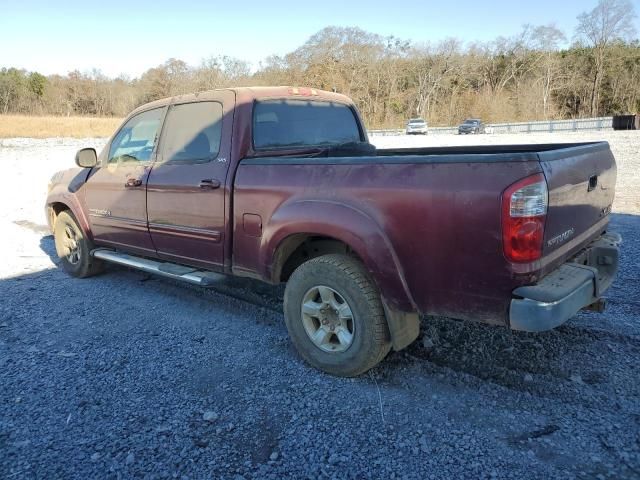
(186, 188)
(581, 181)
(115, 191)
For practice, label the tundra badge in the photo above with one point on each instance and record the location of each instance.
(558, 239)
(99, 213)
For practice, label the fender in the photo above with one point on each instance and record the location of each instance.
(66, 189)
(350, 225)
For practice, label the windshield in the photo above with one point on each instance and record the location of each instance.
(299, 123)
(416, 121)
(471, 122)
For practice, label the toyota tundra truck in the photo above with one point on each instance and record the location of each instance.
(282, 185)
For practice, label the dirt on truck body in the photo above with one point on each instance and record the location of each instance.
(281, 184)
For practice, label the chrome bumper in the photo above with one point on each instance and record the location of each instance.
(573, 286)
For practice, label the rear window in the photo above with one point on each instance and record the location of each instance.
(294, 123)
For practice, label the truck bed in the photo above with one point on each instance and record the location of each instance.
(495, 151)
(439, 209)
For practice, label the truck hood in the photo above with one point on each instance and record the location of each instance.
(70, 179)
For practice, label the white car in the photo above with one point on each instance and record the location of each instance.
(416, 126)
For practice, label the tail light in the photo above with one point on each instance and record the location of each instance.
(524, 211)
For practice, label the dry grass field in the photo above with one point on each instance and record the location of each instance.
(12, 126)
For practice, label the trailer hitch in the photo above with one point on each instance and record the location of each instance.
(597, 306)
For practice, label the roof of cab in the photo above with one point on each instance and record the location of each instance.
(247, 94)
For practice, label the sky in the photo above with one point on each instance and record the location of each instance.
(128, 37)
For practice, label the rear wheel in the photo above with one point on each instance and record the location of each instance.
(74, 248)
(334, 316)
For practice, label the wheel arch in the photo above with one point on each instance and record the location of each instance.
(297, 248)
(53, 210)
(319, 227)
(59, 203)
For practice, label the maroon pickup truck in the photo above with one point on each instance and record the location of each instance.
(281, 184)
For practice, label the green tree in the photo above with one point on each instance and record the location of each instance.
(37, 84)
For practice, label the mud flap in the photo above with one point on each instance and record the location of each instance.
(404, 327)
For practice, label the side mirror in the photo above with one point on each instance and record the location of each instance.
(87, 158)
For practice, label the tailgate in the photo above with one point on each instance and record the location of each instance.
(581, 181)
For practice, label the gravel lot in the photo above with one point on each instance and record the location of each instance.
(126, 375)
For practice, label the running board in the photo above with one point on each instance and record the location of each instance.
(204, 278)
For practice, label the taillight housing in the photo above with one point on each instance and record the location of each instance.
(524, 211)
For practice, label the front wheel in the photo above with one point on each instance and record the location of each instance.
(73, 248)
(335, 317)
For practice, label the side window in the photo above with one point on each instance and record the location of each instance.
(192, 133)
(136, 139)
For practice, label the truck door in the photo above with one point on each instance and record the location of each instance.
(115, 192)
(186, 188)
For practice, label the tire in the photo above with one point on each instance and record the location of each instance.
(329, 282)
(73, 248)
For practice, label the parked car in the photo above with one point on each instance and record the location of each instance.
(281, 185)
(471, 125)
(417, 126)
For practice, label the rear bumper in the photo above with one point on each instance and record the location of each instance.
(573, 286)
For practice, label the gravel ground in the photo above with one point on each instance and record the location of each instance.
(126, 375)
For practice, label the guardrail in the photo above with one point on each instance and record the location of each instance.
(549, 126)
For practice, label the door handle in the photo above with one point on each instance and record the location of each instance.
(209, 183)
(133, 182)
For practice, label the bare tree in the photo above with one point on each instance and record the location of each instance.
(524, 77)
(433, 69)
(546, 39)
(609, 21)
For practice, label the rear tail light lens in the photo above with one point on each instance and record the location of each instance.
(524, 211)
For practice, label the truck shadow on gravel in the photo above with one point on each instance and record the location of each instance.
(516, 360)
(541, 363)
(244, 289)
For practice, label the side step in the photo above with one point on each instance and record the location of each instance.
(203, 278)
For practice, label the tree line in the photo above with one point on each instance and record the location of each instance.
(524, 77)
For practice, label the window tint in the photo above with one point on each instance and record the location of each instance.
(293, 123)
(192, 132)
(135, 141)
